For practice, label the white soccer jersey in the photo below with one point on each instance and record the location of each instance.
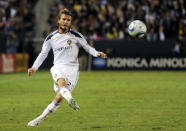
(65, 48)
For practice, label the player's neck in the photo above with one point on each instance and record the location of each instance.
(61, 31)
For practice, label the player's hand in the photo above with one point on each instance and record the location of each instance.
(101, 54)
(31, 71)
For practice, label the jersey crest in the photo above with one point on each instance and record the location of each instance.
(69, 42)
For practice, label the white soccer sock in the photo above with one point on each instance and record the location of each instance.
(52, 107)
(65, 93)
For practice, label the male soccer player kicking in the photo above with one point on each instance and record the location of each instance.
(65, 44)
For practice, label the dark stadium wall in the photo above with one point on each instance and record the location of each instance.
(134, 55)
(139, 55)
(136, 47)
(3, 39)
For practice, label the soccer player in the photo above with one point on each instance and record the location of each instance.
(65, 44)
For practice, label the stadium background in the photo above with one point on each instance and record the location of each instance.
(24, 24)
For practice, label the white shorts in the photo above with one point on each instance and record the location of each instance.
(68, 72)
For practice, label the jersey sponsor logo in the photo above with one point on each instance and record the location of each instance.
(69, 42)
(63, 48)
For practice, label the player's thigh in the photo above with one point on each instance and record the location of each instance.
(57, 75)
(72, 78)
(65, 76)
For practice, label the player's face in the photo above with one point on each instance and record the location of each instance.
(64, 22)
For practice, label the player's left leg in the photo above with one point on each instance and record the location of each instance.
(65, 93)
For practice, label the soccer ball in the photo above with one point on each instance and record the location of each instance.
(137, 29)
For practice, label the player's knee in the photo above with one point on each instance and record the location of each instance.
(61, 82)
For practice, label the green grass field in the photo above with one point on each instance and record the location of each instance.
(109, 101)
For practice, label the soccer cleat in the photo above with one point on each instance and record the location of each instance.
(73, 104)
(35, 122)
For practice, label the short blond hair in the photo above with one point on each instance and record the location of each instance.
(64, 11)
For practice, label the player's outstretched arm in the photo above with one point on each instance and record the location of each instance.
(31, 71)
(101, 54)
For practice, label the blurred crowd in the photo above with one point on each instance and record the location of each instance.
(109, 19)
(95, 19)
(16, 23)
